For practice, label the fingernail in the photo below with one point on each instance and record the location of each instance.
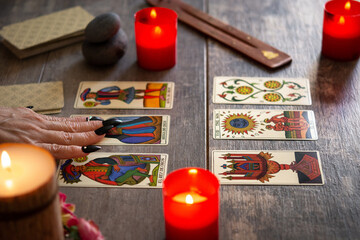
(112, 121)
(90, 148)
(103, 130)
(94, 118)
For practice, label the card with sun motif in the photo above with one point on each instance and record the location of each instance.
(125, 170)
(125, 95)
(251, 90)
(136, 129)
(255, 167)
(264, 124)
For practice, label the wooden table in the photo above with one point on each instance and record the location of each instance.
(331, 211)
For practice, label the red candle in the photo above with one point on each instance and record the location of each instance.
(155, 34)
(191, 204)
(341, 30)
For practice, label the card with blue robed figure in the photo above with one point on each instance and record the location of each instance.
(260, 90)
(137, 129)
(104, 169)
(267, 167)
(125, 95)
(264, 124)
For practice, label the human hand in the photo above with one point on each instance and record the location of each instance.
(62, 137)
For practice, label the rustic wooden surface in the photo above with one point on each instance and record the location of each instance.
(331, 211)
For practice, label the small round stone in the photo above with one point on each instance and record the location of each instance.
(102, 27)
(108, 52)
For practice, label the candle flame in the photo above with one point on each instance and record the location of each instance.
(5, 160)
(157, 30)
(193, 171)
(153, 13)
(9, 183)
(189, 199)
(341, 20)
(347, 5)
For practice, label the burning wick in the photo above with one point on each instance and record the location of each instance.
(153, 14)
(193, 171)
(347, 5)
(189, 199)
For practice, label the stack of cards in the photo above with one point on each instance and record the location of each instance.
(44, 98)
(46, 33)
(135, 170)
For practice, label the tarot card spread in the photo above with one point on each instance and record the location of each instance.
(146, 130)
(126, 170)
(276, 91)
(125, 95)
(251, 167)
(264, 124)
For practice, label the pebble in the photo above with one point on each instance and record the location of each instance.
(108, 52)
(102, 27)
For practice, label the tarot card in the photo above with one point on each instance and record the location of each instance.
(264, 124)
(136, 130)
(44, 98)
(125, 95)
(256, 167)
(276, 91)
(126, 170)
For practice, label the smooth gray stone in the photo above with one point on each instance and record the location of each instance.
(108, 52)
(102, 27)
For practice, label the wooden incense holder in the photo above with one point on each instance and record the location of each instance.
(225, 33)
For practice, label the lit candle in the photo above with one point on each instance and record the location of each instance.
(191, 204)
(341, 30)
(155, 33)
(29, 204)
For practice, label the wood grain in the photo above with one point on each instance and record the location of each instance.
(293, 212)
(126, 213)
(253, 212)
(226, 34)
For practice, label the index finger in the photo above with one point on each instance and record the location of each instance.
(65, 119)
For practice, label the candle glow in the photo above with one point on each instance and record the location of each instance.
(191, 204)
(21, 163)
(341, 30)
(341, 20)
(28, 190)
(155, 36)
(157, 30)
(5, 160)
(9, 183)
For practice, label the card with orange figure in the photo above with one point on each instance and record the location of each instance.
(264, 124)
(266, 167)
(125, 95)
